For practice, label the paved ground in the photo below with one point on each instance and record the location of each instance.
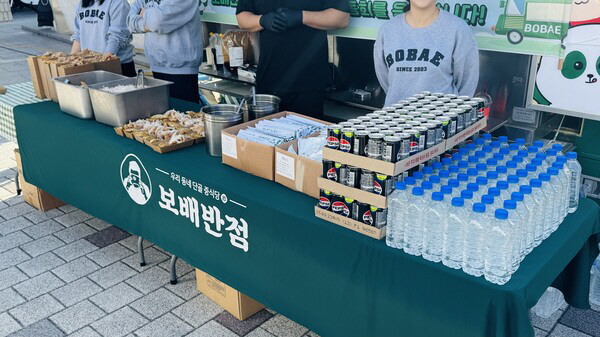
(64, 272)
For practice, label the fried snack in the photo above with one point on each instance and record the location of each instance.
(169, 128)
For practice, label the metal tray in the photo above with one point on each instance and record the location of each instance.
(119, 109)
(73, 98)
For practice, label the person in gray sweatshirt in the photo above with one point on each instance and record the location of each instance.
(101, 26)
(425, 49)
(172, 42)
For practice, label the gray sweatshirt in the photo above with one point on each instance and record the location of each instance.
(103, 28)
(442, 57)
(173, 44)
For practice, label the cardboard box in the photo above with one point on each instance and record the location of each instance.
(113, 66)
(297, 172)
(357, 226)
(238, 304)
(379, 201)
(254, 158)
(34, 196)
(466, 133)
(41, 66)
(36, 78)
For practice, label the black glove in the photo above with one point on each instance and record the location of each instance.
(292, 18)
(272, 22)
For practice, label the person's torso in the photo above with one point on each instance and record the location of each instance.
(418, 59)
(294, 60)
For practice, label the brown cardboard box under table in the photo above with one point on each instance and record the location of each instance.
(32, 195)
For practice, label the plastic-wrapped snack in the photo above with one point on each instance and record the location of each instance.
(312, 147)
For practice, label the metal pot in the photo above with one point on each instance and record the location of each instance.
(265, 105)
(216, 118)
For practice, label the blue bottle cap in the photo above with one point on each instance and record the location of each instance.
(553, 171)
(466, 194)
(487, 148)
(536, 161)
(501, 169)
(463, 151)
(456, 157)
(426, 185)
(511, 164)
(525, 189)
(486, 136)
(478, 207)
(521, 173)
(473, 187)
(472, 159)
(557, 147)
(462, 177)
(498, 156)
(558, 165)
(522, 153)
(502, 185)
(470, 146)
(517, 196)
(458, 202)
(400, 185)
(503, 139)
(487, 199)
(410, 181)
(504, 151)
(437, 165)
(535, 183)
(544, 177)
(480, 167)
(513, 147)
(417, 191)
(462, 164)
(517, 159)
(501, 214)
(444, 174)
(446, 189)
(513, 179)
(453, 183)
(418, 175)
(495, 144)
(434, 179)
(492, 175)
(479, 154)
(492, 162)
(510, 204)
(453, 168)
(427, 170)
(561, 159)
(551, 152)
(446, 161)
(530, 167)
(532, 149)
(494, 191)
(472, 172)
(479, 141)
(482, 180)
(540, 156)
(437, 196)
(520, 141)
(571, 155)
(538, 143)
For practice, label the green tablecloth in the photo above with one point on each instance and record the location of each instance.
(334, 281)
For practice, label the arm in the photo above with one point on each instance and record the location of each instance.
(118, 33)
(328, 19)
(466, 64)
(135, 22)
(169, 15)
(76, 47)
(249, 21)
(381, 68)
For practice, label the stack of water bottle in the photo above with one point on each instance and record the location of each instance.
(485, 208)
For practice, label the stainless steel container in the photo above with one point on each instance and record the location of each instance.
(265, 105)
(74, 98)
(216, 118)
(119, 109)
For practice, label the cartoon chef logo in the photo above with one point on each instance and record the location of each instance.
(136, 180)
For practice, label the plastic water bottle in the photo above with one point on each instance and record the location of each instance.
(472, 174)
(474, 243)
(444, 177)
(463, 179)
(513, 149)
(437, 166)
(446, 162)
(522, 174)
(531, 152)
(558, 148)
(549, 303)
(488, 151)
(474, 188)
(539, 144)
(447, 192)
(503, 141)
(595, 283)
(523, 213)
(456, 157)
(504, 151)
(511, 167)
(481, 169)
(488, 201)
(491, 162)
(487, 138)
(513, 183)
(564, 181)
(452, 251)
(492, 177)
(531, 222)
(498, 249)
(539, 168)
(413, 232)
(499, 158)
(531, 171)
(471, 147)
(520, 143)
(418, 177)
(516, 223)
(433, 234)
(462, 166)
(551, 156)
(495, 146)
(541, 201)
(502, 185)
(410, 183)
(467, 196)
(427, 187)
(479, 143)
(455, 184)
(550, 193)
(435, 180)
(427, 172)
(575, 180)
(495, 192)
(472, 162)
(519, 160)
(558, 197)
(483, 184)
(396, 217)
(453, 169)
(502, 172)
(544, 162)
(480, 156)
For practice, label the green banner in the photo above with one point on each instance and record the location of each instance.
(519, 26)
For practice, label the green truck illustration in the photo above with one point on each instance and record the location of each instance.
(544, 19)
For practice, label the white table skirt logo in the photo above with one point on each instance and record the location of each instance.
(136, 180)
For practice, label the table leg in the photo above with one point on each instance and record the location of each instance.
(173, 271)
(140, 244)
(17, 183)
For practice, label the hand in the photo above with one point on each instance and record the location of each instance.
(292, 18)
(107, 56)
(272, 22)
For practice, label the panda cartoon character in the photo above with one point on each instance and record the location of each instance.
(584, 12)
(575, 86)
